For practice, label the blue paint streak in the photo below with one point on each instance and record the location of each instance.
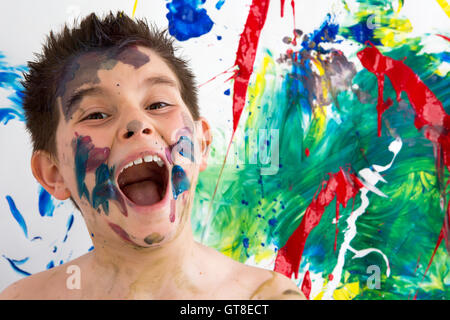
(180, 182)
(70, 222)
(16, 214)
(187, 19)
(219, 4)
(14, 264)
(185, 147)
(69, 226)
(245, 242)
(362, 33)
(227, 92)
(46, 206)
(325, 33)
(272, 222)
(82, 150)
(91, 248)
(10, 79)
(104, 188)
(50, 265)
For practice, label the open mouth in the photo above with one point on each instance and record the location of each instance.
(144, 181)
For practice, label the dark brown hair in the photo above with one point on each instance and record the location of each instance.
(113, 31)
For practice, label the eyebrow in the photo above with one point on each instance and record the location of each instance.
(156, 80)
(78, 95)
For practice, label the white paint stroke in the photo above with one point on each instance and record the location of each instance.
(369, 178)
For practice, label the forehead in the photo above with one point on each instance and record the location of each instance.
(131, 63)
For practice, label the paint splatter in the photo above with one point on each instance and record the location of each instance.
(187, 19)
(429, 111)
(306, 285)
(341, 185)
(17, 215)
(46, 205)
(10, 81)
(14, 265)
(246, 54)
(68, 226)
(219, 4)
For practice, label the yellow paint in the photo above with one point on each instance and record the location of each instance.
(347, 292)
(264, 255)
(254, 91)
(428, 180)
(445, 6)
(317, 129)
(400, 5)
(134, 8)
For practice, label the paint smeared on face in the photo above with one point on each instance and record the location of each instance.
(83, 69)
(180, 182)
(105, 190)
(183, 146)
(134, 126)
(87, 159)
(121, 233)
(153, 238)
(173, 209)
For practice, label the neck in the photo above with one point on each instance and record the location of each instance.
(155, 271)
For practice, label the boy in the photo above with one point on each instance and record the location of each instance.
(115, 127)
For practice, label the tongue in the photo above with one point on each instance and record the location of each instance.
(143, 193)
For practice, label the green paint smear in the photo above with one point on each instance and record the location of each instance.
(405, 226)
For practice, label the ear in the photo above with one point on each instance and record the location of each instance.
(47, 173)
(205, 142)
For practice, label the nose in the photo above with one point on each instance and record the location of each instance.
(135, 127)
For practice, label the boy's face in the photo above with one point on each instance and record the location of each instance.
(123, 107)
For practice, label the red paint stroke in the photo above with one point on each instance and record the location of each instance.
(307, 152)
(429, 111)
(342, 185)
(120, 232)
(246, 54)
(442, 36)
(294, 41)
(216, 76)
(172, 210)
(306, 285)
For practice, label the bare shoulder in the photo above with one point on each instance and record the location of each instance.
(29, 288)
(48, 284)
(276, 286)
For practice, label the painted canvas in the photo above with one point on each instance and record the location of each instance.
(331, 152)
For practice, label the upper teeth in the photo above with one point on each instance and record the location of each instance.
(145, 159)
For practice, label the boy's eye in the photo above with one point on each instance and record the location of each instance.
(157, 105)
(96, 116)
